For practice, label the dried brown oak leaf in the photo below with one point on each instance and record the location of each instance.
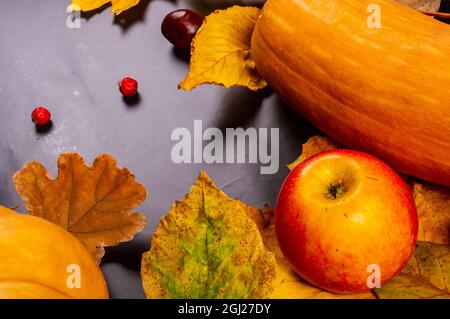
(93, 203)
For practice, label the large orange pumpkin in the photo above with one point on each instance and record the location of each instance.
(39, 260)
(382, 90)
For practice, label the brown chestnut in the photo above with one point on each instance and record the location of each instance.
(180, 27)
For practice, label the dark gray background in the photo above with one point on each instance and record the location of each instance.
(74, 72)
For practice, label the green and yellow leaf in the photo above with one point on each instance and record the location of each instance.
(207, 247)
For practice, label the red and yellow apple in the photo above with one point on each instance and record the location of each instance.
(341, 211)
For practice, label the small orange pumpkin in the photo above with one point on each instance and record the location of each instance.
(39, 259)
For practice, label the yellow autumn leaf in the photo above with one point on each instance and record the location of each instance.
(207, 247)
(93, 203)
(220, 52)
(118, 6)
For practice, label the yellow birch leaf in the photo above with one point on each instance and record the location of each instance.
(93, 203)
(118, 6)
(220, 52)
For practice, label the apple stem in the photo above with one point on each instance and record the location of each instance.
(335, 190)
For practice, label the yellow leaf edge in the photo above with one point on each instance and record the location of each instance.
(118, 6)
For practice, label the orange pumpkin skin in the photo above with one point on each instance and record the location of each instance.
(35, 255)
(385, 91)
